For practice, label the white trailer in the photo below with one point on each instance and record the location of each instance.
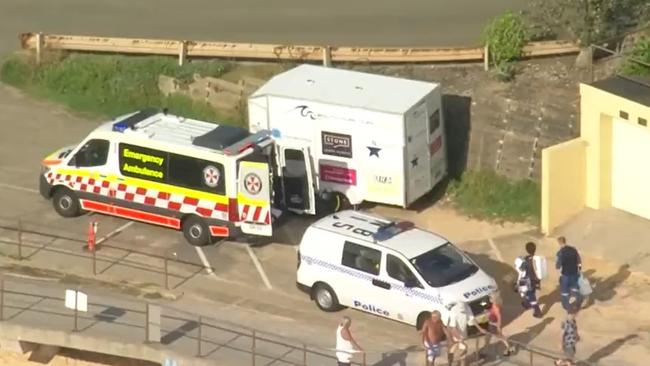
(350, 136)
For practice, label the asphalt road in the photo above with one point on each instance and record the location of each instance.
(333, 22)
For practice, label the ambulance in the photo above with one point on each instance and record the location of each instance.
(389, 268)
(208, 180)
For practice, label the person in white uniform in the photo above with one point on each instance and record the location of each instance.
(346, 346)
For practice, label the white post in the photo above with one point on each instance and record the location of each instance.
(486, 57)
(182, 52)
(39, 47)
(327, 56)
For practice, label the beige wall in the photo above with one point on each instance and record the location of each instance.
(563, 182)
(578, 172)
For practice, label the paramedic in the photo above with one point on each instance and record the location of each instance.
(434, 333)
(529, 282)
(346, 346)
(568, 261)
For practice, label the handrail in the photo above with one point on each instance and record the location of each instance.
(231, 50)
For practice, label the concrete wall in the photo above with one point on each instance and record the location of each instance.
(563, 182)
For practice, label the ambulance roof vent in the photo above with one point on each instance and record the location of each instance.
(132, 120)
(221, 137)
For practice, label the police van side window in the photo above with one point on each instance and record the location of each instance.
(93, 153)
(398, 270)
(196, 174)
(361, 258)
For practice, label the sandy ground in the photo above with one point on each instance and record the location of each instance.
(68, 358)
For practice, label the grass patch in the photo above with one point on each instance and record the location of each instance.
(487, 195)
(107, 86)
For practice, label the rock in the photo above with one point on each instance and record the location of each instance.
(167, 85)
(584, 58)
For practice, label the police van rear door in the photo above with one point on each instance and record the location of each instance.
(254, 197)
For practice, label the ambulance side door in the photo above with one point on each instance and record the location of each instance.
(254, 197)
(297, 177)
(90, 165)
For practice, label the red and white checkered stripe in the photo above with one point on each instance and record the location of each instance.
(250, 213)
(151, 197)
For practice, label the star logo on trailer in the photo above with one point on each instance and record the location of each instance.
(373, 151)
(252, 183)
(211, 176)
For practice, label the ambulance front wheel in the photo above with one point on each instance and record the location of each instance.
(196, 231)
(66, 202)
(325, 297)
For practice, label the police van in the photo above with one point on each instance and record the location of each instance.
(205, 179)
(388, 268)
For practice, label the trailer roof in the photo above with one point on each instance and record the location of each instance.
(347, 88)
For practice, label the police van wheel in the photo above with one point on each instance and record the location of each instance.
(66, 203)
(196, 231)
(325, 298)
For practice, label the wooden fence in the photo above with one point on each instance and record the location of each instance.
(328, 54)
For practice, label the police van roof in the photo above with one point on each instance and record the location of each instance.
(400, 236)
(156, 125)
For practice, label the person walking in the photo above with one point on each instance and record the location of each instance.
(434, 333)
(494, 326)
(346, 346)
(529, 281)
(456, 323)
(570, 338)
(569, 263)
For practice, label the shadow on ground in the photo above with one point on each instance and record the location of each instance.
(604, 288)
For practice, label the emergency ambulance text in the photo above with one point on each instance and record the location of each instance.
(143, 157)
(142, 171)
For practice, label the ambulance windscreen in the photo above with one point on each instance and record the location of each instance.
(221, 137)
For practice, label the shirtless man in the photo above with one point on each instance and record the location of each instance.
(434, 333)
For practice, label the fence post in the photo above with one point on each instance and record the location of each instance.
(166, 274)
(476, 350)
(200, 337)
(327, 56)
(2, 298)
(20, 241)
(364, 358)
(304, 354)
(182, 52)
(591, 63)
(76, 310)
(94, 263)
(253, 348)
(39, 47)
(531, 357)
(486, 57)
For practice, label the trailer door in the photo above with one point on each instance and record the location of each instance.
(254, 198)
(417, 154)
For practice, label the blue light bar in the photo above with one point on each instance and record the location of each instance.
(120, 126)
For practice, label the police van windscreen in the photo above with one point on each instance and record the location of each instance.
(443, 266)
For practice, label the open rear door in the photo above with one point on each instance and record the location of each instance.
(297, 179)
(254, 198)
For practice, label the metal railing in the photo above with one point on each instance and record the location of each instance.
(535, 355)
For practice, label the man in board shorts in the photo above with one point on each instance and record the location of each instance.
(434, 333)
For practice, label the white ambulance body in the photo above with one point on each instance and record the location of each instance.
(205, 179)
(349, 135)
(388, 268)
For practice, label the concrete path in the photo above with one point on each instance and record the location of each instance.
(333, 22)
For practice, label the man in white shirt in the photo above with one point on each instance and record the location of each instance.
(456, 320)
(346, 346)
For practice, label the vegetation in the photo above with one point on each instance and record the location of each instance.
(505, 36)
(107, 86)
(640, 52)
(485, 194)
(588, 21)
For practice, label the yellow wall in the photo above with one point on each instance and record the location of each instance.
(563, 182)
(597, 110)
(577, 173)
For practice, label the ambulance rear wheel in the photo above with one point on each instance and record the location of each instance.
(331, 202)
(66, 202)
(196, 231)
(325, 298)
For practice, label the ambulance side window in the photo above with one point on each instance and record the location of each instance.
(196, 174)
(361, 258)
(398, 270)
(93, 153)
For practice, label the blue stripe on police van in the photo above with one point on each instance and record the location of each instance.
(364, 276)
